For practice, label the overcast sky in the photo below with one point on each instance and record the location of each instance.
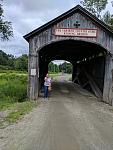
(27, 15)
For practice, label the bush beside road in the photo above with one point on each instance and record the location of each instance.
(13, 98)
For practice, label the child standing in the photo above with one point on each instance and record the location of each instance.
(47, 83)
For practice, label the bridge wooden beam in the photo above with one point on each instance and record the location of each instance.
(108, 80)
(33, 71)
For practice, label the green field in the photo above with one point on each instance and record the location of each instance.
(13, 96)
(13, 88)
(14, 103)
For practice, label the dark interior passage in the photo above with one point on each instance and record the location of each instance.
(88, 60)
(90, 75)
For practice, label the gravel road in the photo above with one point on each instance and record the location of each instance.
(72, 119)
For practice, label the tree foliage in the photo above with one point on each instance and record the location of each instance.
(3, 58)
(5, 26)
(65, 67)
(95, 6)
(10, 62)
(108, 19)
(54, 68)
(21, 63)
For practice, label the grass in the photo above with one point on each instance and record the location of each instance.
(53, 74)
(56, 76)
(13, 97)
(13, 88)
(19, 110)
(5, 105)
(16, 112)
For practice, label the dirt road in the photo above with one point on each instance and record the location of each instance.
(71, 119)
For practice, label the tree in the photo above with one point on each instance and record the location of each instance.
(5, 26)
(95, 6)
(11, 61)
(21, 63)
(3, 58)
(8, 61)
(108, 19)
(65, 67)
(53, 67)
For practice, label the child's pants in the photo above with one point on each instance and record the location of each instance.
(45, 91)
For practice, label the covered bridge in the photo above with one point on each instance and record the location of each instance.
(82, 39)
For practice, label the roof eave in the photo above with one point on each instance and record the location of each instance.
(78, 7)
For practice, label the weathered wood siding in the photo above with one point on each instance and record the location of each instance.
(104, 38)
(33, 64)
(108, 81)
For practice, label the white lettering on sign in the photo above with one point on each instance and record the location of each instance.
(76, 32)
(33, 72)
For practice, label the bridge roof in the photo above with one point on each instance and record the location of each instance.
(77, 8)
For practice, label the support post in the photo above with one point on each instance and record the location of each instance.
(74, 71)
(108, 81)
(33, 70)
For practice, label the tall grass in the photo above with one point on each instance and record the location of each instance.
(13, 88)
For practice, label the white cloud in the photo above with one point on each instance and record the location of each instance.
(27, 15)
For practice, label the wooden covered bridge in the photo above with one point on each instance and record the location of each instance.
(82, 39)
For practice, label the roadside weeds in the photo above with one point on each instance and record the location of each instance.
(16, 112)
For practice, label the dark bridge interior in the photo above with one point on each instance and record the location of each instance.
(88, 60)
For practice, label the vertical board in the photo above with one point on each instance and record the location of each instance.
(107, 92)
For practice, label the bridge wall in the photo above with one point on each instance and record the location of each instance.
(36, 43)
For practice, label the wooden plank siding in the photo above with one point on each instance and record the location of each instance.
(108, 81)
(39, 40)
(104, 38)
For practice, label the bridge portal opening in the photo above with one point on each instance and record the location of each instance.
(87, 59)
(82, 39)
(60, 70)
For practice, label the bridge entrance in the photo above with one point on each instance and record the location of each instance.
(88, 47)
(88, 60)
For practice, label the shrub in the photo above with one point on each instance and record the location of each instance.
(13, 87)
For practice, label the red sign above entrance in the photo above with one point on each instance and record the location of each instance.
(76, 32)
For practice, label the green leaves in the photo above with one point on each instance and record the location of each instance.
(6, 30)
(65, 67)
(21, 63)
(95, 6)
(10, 62)
(13, 87)
(108, 19)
